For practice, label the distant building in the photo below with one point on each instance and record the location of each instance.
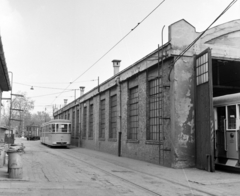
(4, 78)
(161, 112)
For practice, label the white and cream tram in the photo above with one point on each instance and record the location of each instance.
(56, 132)
(227, 126)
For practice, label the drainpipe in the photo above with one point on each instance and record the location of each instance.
(120, 116)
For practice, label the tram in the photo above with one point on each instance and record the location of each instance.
(227, 130)
(56, 132)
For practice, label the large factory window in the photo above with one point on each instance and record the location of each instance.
(154, 110)
(77, 121)
(113, 117)
(90, 132)
(102, 119)
(73, 123)
(133, 114)
(84, 122)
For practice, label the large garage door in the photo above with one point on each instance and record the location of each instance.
(204, 112)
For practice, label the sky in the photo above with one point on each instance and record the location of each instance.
(49, 44)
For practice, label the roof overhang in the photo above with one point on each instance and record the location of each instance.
(4, 78)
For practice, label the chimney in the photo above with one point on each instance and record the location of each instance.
(116, 65)
(65, 102)
(81, 90)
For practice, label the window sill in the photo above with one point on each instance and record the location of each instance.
(83, 138)
(101, 139)
(132, 141)
(152, 142)
(112, 139)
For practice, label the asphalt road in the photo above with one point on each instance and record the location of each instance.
(76, 171)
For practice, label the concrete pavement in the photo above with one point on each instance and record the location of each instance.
(78, 171)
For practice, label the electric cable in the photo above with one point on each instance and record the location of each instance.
(190, 45)
(114, 46)
(45, 87)
(50, 94)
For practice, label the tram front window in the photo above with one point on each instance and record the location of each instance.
(231, 116)
(62, 128)
(53, 128)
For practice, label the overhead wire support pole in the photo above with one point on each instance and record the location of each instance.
(98, 85)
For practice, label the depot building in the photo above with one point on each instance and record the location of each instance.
(160, 109)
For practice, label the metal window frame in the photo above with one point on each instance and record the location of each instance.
(77, 120)
(113, 117)
(73, 123)
(102, 118)
(154, 131)
(85, 122)
(90, 132)
(133, 115)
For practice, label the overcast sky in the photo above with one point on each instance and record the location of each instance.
(50, 43)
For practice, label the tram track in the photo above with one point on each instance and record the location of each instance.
(111, 174)
(191, 189)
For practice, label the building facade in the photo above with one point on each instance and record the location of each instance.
(148, 110)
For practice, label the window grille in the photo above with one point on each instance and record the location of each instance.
(202, 69)
(113, 117)
(154, 111)
(102, 119)
(133, 114)
(84, 122)
(232, 112)
(73, 123)
(90, 133)
(77, 120)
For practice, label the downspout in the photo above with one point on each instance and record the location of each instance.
(162, 96)
(120, 116)
(159, 112)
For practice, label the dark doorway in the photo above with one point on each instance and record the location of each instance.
(226, 77)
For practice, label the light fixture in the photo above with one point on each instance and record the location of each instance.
(31, 88)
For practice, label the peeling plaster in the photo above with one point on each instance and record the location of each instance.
(183, 139)
(192, 124)
(183, 109)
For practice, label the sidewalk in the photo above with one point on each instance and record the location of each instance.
(190, 177)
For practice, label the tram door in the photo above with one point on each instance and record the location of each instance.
(227, 127)
(204, 124)
(231, 133)
(220, 126)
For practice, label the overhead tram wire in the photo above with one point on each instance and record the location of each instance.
(50, 94)
(119, 41)
(49, 83)
(190, 45)
(39, 86)
(114, 45)
(54, 82)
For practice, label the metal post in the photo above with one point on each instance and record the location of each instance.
(10, 111)
(98, 85)
(162, 96)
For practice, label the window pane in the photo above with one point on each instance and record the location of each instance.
(231, 116)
